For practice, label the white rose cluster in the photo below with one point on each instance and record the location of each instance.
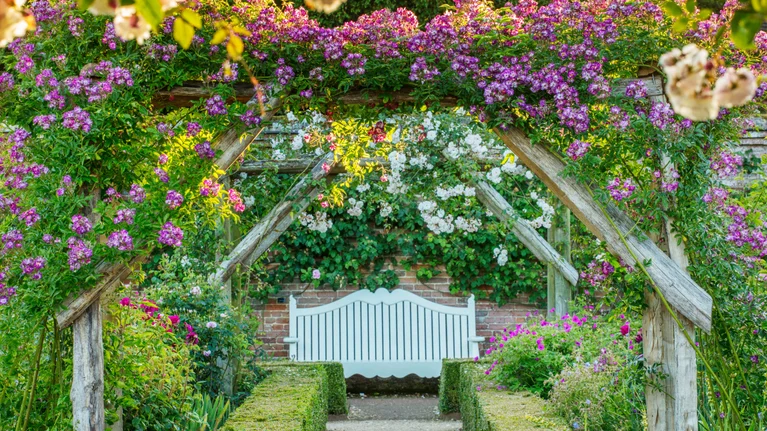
(397, 161)
(693, 89)
(544, 220)
(386, 209)
(355, 207)
(501, 255)
(459, 190)
(317, 222)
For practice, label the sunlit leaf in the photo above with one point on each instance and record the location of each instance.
(681, 25)
(235, 47)
(84, 4)
(219, 36)
(151, 11)
(704, 14)
(192, 17)
(690, 5)
(744, 26)
(672, 9)
(183, 33)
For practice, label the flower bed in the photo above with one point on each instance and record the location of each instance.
(290, 399)
(485, 407)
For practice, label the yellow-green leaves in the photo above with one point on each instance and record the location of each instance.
(183, 28)
(744, 26)
(151, 11)
(235, 32)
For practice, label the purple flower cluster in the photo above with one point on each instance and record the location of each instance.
(726, 164)
(621, 189)
(284, 73)
(250, 119)
(44, 121)
(354, 64)
(77, 119)
(215, 106)
(205, 151)
(29, 217)
(661, 115)
(170, 235)
(80, 224)
(11, 240)
(74, 23)
(161, 175)
(162, 52)
(227, 73)
(166, 129)
(636, 90)
(120, 240)
(79, 253)
(421, 72)
(6, 82)
(137, 194)
(173, 199)
(32, 266)
(596, 272)
(578, 149)
(193, 129)
(126, 215)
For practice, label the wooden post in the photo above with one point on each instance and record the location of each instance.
(675, 405)
(559, 290)
(88, 371)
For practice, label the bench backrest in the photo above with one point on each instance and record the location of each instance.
(383, 328)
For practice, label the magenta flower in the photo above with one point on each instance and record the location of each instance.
(625, 329)
(125, 302)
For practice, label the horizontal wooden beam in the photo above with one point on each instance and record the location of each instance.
(675, 284)
(191, 92)
(268, 230)
(538, 245)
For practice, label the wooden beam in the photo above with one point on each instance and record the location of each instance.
(112, 275)
(300, 166)
(191, 92)
(233, 142)
(558, 289)
(522, 229)
(87, 392)
(264, 233)
(676, 285)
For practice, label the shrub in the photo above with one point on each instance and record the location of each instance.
(526, 357)
(449, 384)
(336, 383)
(487, 407)
(224, 333)
(606, 394)
(148, 372)
(289, 399)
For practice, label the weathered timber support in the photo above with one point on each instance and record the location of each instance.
(612, 226)
(268, 230)
(88, 371)
(233, 143)
(673, 403)
(542, 249)
(558, 288)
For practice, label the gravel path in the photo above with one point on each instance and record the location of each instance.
(394, 413)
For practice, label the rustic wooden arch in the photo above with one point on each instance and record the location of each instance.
(665, 344)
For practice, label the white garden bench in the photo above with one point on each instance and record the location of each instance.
(383, 333)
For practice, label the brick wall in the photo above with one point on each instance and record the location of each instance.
(274, 314)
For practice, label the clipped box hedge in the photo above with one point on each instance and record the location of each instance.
(336, 383)
(485, 408)
(289, 399)
(449, 384)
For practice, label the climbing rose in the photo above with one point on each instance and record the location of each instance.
(170, 235)
(625, 329)
(80, 224)
(316, 274)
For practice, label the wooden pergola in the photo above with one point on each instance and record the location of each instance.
(674, 407)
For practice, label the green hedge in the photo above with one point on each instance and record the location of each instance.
(485, 408)
(336, 383)
(289, 399)
(449, 383)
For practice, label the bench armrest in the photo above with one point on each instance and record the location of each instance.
(290, 340)
(476, 339)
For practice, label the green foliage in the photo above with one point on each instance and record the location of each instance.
(179, 283)
(336, 382)
(486, 407)
(207, 414)
(449, 384)
(607, 394)
(530, 355)
(157, 394)
(289, 399)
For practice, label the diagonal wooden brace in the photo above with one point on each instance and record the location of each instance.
(269, 229)
(676, 285)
